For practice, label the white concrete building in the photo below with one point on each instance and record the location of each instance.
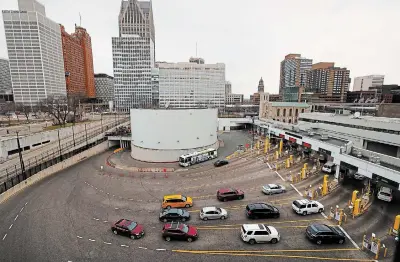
(191, 85)
(134, 56)
(164, 135)
(35, 53)
(363, 83)
(234, 99)
(5, 77)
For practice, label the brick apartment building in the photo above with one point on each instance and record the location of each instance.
(78, 62)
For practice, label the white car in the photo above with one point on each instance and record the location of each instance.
(273, 189)
(385, 194)
(259, 233)
(207, 213)
(306, 207)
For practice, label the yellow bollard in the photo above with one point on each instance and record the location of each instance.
(379, 248)
(276, 155)
(280, 146)
(303, 174)
(396, 224)
(266, 144)
(362, 246)
(258, 144)
(305, 166)
(354, 196)
(340, 216)
(356, 207)
(291, 159)
(325, 185)
(288, 163)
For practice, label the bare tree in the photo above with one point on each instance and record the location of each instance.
(7, 109)
(59, 108)
(25, 109)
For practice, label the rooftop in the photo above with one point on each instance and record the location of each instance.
(290, 104)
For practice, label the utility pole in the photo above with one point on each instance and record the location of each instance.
(101, 121)
(21, 160)
(252, 131)
(87, 145)
(73, 135)
(59, 144)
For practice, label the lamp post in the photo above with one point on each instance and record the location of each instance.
(252, 131)
(73, 135)
(59, 144)
(101, 121)
(21, 160)
(86, 137)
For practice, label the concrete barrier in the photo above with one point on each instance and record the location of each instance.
(54, 169)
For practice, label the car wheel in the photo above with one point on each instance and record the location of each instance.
(183, 219)
(276, 216)
(189, 239)
(304, 213)
(225, 199)
(115, 232)
(223, 217)
(240, 198)
(167, 239)
(283, 191)
(133, 237)
(165, 220)
(320, 210)
(252, 241)
(187, 206)
(319, 242)
(274, 241)
(341, 241)
(168, 207)
(205, 218)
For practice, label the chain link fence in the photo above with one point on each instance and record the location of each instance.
(14, 175)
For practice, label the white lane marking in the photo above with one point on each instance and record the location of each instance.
(124, 246)
(269, 166)
(21, 209)
(79, 237)
(4, 236)
(116, 208)
(107, 243)
(96, 219)
(26, 203)
(93, 240)
(296, 190)
(108, 193)
(105, 221)
(101, 190)
(10, 226)
(280, 176)
(131, 199)
(142, 247)
(348, 236)
(16, 218)
(113, 195)
(161, 249)
(95, 188)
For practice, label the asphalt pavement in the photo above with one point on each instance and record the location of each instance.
(67, 217)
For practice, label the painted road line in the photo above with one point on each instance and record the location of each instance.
(93, 240)
(10, 226)
(296, 190)
(237, 227)
(105, 221)
(26, 203)
(161, 249)
(96, 219)
(124, 246)
(5, 236)
(269, 166)
(276, 172)
(79, 237)
(142, 247)
(196, 197)
(21, 209)
(288, 256)
(16, 218)
(107, 243)
(268, 251)
(269, 222)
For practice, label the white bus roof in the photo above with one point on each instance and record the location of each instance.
(199, 152)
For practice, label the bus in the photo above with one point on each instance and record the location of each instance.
(197, 157)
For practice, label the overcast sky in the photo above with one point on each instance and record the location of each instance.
(250, 37)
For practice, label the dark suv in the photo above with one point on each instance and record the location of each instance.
(321, 233)
(261, 210)
(226, 194)
(179, 231)
(174, 214)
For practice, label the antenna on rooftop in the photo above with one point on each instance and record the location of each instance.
(80, 20)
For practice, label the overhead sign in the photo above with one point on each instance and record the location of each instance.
(306, 145)
(291, 139)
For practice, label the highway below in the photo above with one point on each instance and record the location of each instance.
(67, 217)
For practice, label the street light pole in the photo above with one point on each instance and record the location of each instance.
(86, 137)
(252, 131)
(59, 144)
(101, 121)
(73, 135)
(21, 160)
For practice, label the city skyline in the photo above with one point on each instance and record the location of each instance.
(219, 43)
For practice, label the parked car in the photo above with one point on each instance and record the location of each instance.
(179, 231)
(219, 163)
(174, 214)
(259, 233)
(385, 194)
(306, 207)
(176, 201)
(321, 233)
(261, 210)
(329, 167)
(226, 194)
(358, 176)
(207, 213)
(128, 228)
(270, 189)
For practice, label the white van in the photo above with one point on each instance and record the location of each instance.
(329, 167)
(305, 207)
(385, 194)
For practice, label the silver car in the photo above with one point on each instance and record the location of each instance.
(273, 189)
(207, 213)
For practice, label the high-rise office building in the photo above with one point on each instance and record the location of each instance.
(104, 87)
(191, 85)
(35, 53)
(78, 62)
(293, 77)
(329, 82)
(363, 83)
(5, 78)
(228, 88)
(134, 56)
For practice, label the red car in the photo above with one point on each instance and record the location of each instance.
(128, 228)
(226, 194)
(179, 231)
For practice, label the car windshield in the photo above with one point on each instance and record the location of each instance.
(385, 194)
(132, 226)
(184, 198)
(185, 228)
(297, 204)
(266, 186)
(312, 229)
(219, 210)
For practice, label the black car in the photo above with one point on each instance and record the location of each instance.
(219, 163)
(174, 214)
(261, 210)
(321, 233)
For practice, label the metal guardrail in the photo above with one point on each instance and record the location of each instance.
(11, 176)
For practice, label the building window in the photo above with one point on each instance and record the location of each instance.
(278, 111)
(284, 112)
(290, 120)
(297, 112)
(290, 112)
(302, 110)
(284, 121)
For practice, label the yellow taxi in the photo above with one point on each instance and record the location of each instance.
(177, 201)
